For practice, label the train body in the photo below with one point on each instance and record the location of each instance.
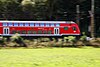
(39, 28)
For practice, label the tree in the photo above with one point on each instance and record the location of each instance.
(1, 9)
(34, 10)
(28, 8)
(97, 17)
(9, 9)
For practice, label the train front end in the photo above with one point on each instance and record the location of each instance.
(70, 28)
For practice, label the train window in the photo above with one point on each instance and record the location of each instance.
(40, 32)
(65, 28)
(18, 32)
(10, 24)
(49, 32)
(31, 24)
(34, 32)
(26, 24)
(13, 32)
(15, 24)
(42, 24)
(21, 24)
(52, 25)
(74, 28)
(57, 25)
(23, 32)
(47, 25)
(29, 32)
(45, 32)
(36, 24)
(4, 24)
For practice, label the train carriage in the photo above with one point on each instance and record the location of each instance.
(39, 28)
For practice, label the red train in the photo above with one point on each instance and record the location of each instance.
(39, 28)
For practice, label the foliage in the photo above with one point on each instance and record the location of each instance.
(71, 38)
(3, 41)
(15, 37)
(27, 5)
(9, 9)
(83, 37)
(43, 9)
(39, 9)
(95, 42)
(69, 41)
(18, 39)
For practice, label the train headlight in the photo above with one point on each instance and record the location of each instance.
(74, 31)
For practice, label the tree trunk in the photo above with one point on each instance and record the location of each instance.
(92, 26)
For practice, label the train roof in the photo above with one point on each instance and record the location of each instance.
(37, 21)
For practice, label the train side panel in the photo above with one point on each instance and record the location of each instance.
(32, 30)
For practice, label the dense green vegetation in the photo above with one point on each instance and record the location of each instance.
(50, 57)
(40, 42)
(45, 9)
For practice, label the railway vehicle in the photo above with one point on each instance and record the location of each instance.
(39, 28)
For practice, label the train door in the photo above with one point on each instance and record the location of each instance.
(56, 31)
(6, 31)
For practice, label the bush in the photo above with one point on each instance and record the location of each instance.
(3, 41)
(69, 41)
(18, 39)
(12, 44)
(83, 37)
(95, 42)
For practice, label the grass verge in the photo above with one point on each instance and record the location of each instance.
(50, 57)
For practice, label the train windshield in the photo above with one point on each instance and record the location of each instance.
(74, 28)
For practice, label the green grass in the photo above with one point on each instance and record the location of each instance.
(50, 57)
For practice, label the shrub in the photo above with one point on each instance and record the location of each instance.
(83, 37)
(45, 39)
(69, 41)
(18, 39)
(12, 44)
(95, 42)
(3, 41)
